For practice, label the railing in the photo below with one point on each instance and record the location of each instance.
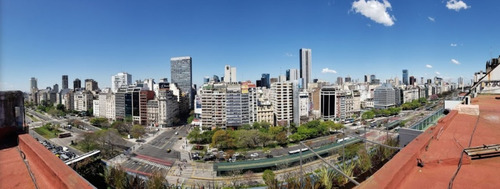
(429, 120)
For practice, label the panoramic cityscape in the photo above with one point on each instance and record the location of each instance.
(298, 94)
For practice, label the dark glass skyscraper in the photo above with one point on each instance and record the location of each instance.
(265, 80)
(181, 72)
(77, 84)
(64, 81)
(405, 76)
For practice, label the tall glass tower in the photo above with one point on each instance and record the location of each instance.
(405, 76)
(305, 66)
(181, 72)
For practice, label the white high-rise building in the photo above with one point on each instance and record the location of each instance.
(282, 100)
(305, 67)
(230, 74)
(120, 79)
(292, 74)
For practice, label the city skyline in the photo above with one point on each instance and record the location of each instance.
(96, 40)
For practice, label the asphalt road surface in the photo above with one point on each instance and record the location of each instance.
(158, 147)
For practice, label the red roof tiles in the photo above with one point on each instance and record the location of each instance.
(440, 148)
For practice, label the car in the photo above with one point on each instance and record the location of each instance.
(269, 156)
(169, 150)
(254, 155)
(176, 133)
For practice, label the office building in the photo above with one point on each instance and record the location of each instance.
(91, 85)
(181, 71)
(64, 81)
(327, 103)
(305, 67)
(367, 79)
(384, 96)
(292, 74)
(77, 84)
(33, 84)
(405, 77)
(119, 80)
(412, 80)
(83, 100)
(229, 74)
(266, 80)
(340, 81)
(347, 79)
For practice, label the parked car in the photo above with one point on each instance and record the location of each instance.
(254, 155)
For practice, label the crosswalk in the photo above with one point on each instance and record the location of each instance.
(150, 163)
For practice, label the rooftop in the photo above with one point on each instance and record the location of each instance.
(39, 168)
(440, 148)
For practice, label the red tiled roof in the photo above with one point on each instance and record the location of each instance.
(48, 170)
(440, 148)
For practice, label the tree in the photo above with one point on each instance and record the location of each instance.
(194, 136)
(249, 139)
(61, 107)
(368, 115)
(115, 177)
(256, 125)
(137, 131)
(265, 125)
(281, 138)
(246, 126)
(156, 181)
(99, 122)
(265, 138)
(269, 178)
(122, 127)
(221, 139)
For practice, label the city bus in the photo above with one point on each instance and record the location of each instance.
(64, 135)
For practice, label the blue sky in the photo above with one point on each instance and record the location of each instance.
(97, 39)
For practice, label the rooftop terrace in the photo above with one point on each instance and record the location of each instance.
(439, 150)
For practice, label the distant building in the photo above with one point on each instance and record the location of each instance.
(282, 100)
(91, 85)
(292, 74)
(119, 80)
(340, 81)
(328, 105)
(181, 71)
(77, 84)
(384, 96)
(83, 100)
(348, 79)
(412, 80)
(405, 77)
(64, 81)
(266, 80)
(229, 74)
(305, 67)
(367, 79)
(33, 84)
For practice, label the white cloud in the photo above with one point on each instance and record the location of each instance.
(326, 70)
(375, 10)
(453, 44)
(431, 19)
(455, 61)
(437, 73)
(289, 54)
(428, 66)
(456, 5)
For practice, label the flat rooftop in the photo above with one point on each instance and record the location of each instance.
(440, 148)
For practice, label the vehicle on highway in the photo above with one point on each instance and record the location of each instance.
(297, 151)
(343, 139)
(176, 133)
(169, 150)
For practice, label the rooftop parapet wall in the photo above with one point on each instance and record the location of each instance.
(49, 171)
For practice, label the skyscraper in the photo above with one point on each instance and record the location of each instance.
(266, 80)
(181, 71)
(77, 84)
(405, 77)
(292, 74)
(119, 80)
(229, 74)
(412, 80)
(64, 81)
(33, 84)
(305, 66)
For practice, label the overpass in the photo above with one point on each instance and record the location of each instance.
(283, 160)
